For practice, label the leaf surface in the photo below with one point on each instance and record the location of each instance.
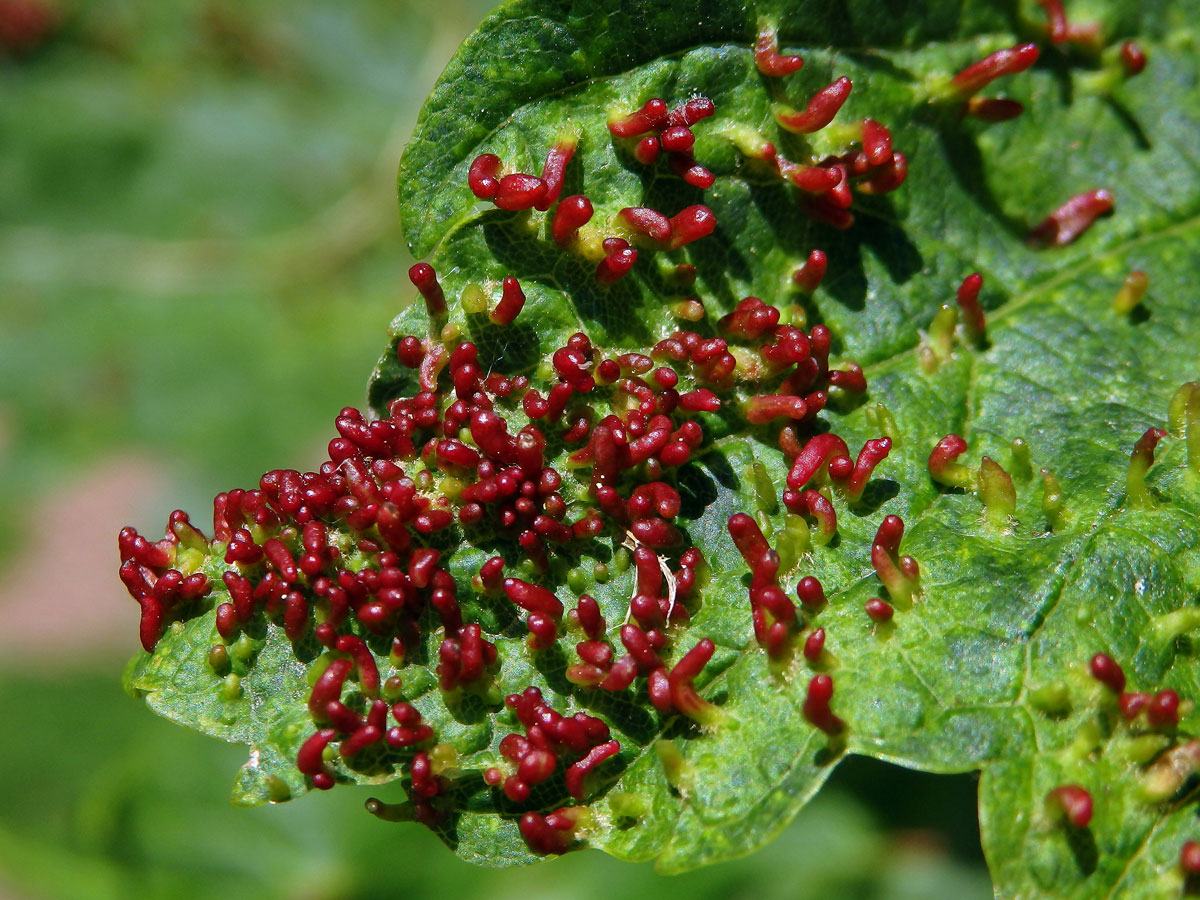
(988, 668)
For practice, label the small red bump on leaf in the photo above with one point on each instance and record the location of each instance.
(328, 687)
(424, 782)
(849, 379)
(1143, 450)
(1073, 802)
(888, 177)
(1056, 24)
(899, 574)
(767, 408)
(1106, 670)
(811, 593)
(364, 663)
(491, 573)
(1189, 857)
(690, 113)
(1132, 58)
(309, 758)
(1163, 709)
(541, 837)
(666, 377)
(1140, 461)
(658, 686)
(484, 176)
(616, 265)
(657, 534)
(636, 642)
(647, 222)
(683, 692)
(879, 610)
(1132, 703)
(814, 645)
(227, 622)
(410, 352)
(700, 400)
(646, 150)
(812, 179)
(749, 540)
(533, 598)
(685, 166)
(677, 139)
(814, 459)
(344, 719)
(1071, 219)
(576, 772)
(943, 466)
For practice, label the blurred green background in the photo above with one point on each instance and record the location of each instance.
(199, 255)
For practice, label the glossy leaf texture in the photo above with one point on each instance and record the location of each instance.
(1033, 557)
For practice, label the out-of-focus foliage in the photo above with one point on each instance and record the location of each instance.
(198, 238)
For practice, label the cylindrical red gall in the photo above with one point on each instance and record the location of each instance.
(1003, 62)
(1105, 670)
(691, 224)
(649, 118)
(767, 58)
(512, 300)
(816, 705)
(808, 276)
(532, 597)
(572, 213)
(424, 278)
(1071, 219)
(519, 191)
(820, 111)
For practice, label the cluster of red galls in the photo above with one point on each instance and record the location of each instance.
(548, 736)
(1158, 711)
(776, 622)
(286, 544)
(1161, 709)
(664, 129)
(445, 456)
(875, 168)
(658, 129)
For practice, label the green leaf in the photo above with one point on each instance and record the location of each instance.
(987, 667)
